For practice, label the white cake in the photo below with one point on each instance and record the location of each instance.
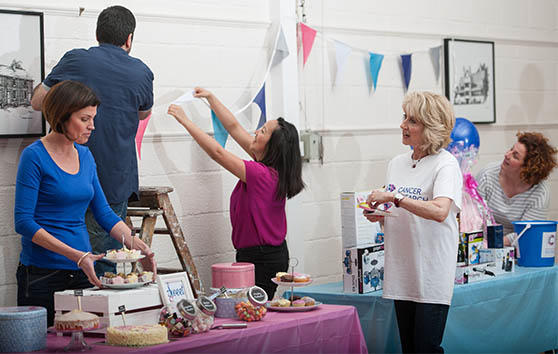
(76, 319)
(137, 335)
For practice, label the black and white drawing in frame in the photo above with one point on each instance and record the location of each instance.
(21, 69)
(469, 79)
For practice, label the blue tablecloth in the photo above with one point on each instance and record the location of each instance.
(513, 313)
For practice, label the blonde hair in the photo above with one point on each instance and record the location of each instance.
(435, 113)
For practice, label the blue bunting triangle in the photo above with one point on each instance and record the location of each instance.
(407, 65)
(219, 132)
(375, 65)
(260, 101)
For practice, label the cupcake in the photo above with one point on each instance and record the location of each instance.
(279, 275)
(288, 278)
(299, 303)
(301, 278)
(284, 303)
(308, 301)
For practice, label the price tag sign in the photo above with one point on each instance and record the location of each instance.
(78, 293)
(122, 309)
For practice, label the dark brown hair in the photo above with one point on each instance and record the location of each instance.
(65, 98)
(540, 159)
(282, 152)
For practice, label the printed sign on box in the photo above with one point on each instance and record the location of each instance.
(356, 230)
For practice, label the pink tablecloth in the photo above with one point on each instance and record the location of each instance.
(328, 329)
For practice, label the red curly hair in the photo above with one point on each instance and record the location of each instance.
(540, 159)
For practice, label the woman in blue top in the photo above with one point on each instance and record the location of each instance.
(56, 183)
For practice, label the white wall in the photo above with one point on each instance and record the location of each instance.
(224, 46)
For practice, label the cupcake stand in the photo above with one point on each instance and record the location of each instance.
(293, 262)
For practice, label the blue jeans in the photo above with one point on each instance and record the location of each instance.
(36, 286)
(421, 326)
(101, 241)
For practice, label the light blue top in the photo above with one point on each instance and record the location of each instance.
(49, 198)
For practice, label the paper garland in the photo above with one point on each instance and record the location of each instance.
(308, 36)
(219, 132)
(342, 52)
(407, 65)
(260, 101)
(375, 65)
(140, 132)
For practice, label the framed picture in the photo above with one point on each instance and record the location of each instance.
(469, 79)
(21, 69)
(173, 288)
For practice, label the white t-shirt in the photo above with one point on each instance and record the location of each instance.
(421, 254)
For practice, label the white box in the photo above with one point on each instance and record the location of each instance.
(503, 258)
(356, 230)
(143, 305)
(363, 269)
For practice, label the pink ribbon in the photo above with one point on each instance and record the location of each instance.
(470, 184)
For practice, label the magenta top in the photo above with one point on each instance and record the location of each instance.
(257, 218)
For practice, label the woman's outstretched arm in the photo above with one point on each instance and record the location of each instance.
(229, 121)
(229, 161)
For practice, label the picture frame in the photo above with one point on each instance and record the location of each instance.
(21, 69)
(173, 288)
(470, 79)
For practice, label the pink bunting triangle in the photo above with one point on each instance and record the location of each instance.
(139, 134)
(308, 35)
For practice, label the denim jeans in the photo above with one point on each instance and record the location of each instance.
(36, 286)
(101, 241)
(421, 326)
(268, 260)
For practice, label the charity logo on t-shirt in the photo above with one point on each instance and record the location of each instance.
(412, 192)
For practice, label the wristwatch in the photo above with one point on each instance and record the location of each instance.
(397, 199)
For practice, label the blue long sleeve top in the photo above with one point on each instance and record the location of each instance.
(47, 197)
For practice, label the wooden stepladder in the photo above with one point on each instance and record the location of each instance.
(154, 202)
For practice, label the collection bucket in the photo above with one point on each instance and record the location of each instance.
(537, 242)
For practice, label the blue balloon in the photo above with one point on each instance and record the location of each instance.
(464, 135)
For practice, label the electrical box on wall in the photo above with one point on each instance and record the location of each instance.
(312, 146)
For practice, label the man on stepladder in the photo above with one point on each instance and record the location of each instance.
(124, 85)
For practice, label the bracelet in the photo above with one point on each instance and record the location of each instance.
(82, 258)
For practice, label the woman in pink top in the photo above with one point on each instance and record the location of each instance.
(257, 209)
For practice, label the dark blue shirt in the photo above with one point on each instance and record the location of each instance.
(49, 198)
(124, 85)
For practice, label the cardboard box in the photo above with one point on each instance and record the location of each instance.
(363, 269)
(502, 258)
(356, 230)
(143, 305)
(476, 272)
(469, 245)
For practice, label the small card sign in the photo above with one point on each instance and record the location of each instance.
(78, 292)
(122, 308)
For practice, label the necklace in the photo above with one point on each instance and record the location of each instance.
(415, 162)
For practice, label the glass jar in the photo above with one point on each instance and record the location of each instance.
(254, 309)
(199, 312)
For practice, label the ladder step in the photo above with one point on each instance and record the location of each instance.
(144, 212)
(160, 231)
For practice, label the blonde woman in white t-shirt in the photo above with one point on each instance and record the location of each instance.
(423, 188)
